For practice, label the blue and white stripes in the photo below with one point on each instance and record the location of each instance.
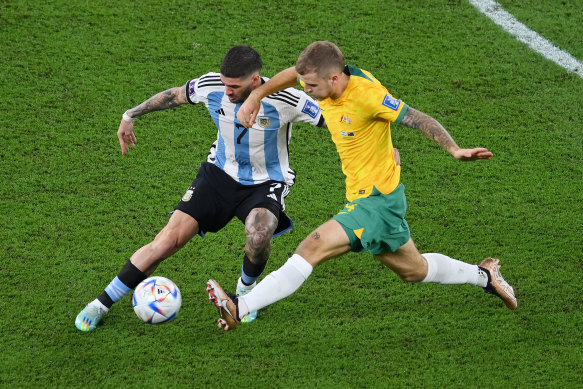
(260, 153)
(117, 289)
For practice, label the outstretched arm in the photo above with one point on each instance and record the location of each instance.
(250, 108)
(163, 100)
(434, 130)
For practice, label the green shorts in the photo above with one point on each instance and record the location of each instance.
(376, 223)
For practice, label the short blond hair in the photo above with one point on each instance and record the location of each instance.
(322, 57)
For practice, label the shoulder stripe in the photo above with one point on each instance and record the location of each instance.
(288, 95)
(210, 77)
(210, 80)
(207, 84)
(279, 98)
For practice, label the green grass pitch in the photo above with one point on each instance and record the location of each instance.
(73, 209)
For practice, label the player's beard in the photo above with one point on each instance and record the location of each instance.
(243, 96)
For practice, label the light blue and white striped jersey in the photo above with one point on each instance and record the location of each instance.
(260, 153)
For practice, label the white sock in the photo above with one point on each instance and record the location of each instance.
(277, 285)
(241, 285)
(446, 270)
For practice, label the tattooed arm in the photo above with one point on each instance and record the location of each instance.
(435, 131)
(168, 99)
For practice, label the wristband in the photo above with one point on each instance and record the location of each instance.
(127, 117)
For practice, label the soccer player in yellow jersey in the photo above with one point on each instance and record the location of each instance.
(358, 111)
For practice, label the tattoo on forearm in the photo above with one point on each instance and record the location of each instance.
(163, 100)
(315, 235)
(429, 126)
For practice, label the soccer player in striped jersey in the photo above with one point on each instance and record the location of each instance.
(246, 175)
(359, 111)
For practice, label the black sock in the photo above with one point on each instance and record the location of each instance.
(130, 276)
(251, 271)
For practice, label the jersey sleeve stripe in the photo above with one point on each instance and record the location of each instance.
(187, 87)
(402, 114)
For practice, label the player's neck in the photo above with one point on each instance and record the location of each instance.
(340, 86)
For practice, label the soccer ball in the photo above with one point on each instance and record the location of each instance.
(157, 300)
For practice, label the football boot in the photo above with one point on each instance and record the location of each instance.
(227, 305)
(496, 284)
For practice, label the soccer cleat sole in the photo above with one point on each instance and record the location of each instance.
(227, 319)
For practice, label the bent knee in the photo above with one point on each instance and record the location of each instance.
(259, 241)
(308, 246)
(312, 251)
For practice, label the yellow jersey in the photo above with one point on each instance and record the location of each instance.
(359, 122)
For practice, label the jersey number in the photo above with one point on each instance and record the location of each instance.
(242, 134)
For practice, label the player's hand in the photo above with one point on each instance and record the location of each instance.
(249, 110)
(397, 156)
(472, 154)
(126, 136)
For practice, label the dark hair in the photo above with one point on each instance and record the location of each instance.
(322, 57)
(241, 61)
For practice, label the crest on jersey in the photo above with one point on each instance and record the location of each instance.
(391, 102)
(346, 119)
(311, 109)
(188, 195)
(263, 121)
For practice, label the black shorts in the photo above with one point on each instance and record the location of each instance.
(214, 198)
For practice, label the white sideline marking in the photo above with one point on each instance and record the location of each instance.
(501, 17)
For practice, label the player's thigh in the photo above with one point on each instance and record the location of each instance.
(327, 241)
(406, 262)
(180, 229)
